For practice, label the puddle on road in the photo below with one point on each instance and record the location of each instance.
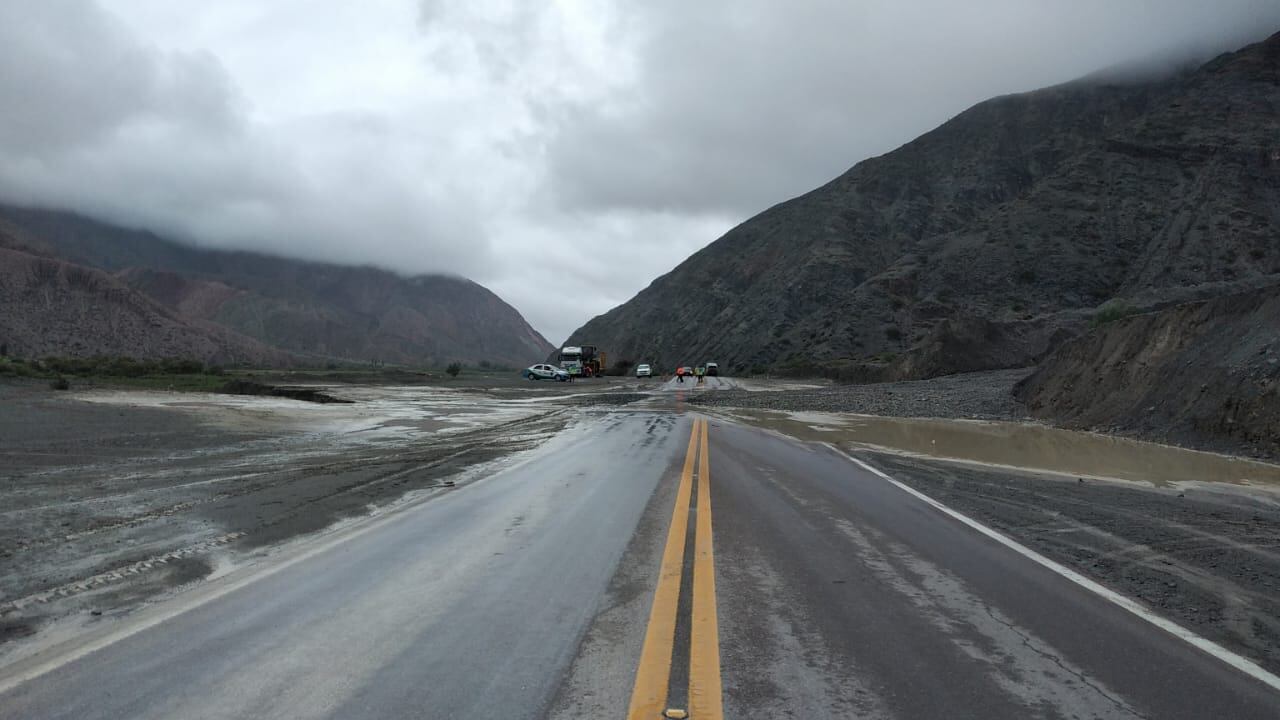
(1021, 445)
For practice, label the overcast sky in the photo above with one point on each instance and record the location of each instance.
(563, 154)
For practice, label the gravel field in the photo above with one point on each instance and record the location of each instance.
(984, 395)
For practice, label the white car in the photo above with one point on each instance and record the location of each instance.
(545, 372)
(643, 370)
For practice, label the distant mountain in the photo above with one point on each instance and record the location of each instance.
(313, 311)
(988, 241)
(56, 308)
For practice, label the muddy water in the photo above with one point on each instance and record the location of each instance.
(1023, 445)
(377, 413)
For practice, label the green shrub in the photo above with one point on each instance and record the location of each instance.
(181, 367)
(453, 369)
(124, 366)
(1111, 312)
(14, 367)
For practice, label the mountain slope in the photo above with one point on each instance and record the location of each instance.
(312, 309)
(56, 308)
(1021, 215)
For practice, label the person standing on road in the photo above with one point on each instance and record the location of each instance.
(680, 374)
(700, 372)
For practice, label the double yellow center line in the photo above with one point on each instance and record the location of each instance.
(650, 694)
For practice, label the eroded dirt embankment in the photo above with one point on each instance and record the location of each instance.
(1205, 374)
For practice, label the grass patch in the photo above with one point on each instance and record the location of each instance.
(15, 367)
(186, 382)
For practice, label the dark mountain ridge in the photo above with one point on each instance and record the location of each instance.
(312, 310)
(1002, 230)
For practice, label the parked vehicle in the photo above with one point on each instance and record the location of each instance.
(582, 360)
(713, 369)
(544, 372)
(643, 370)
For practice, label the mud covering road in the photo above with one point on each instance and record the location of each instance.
(111, 498)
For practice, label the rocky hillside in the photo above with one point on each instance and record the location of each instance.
(312, 310)
(55, 308)
(1208, 372)
(987, 241)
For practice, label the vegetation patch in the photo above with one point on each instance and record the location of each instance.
(1111, 312)
(167, 374)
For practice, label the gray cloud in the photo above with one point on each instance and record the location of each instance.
(102, 121)
(738, 107)
(563, 154)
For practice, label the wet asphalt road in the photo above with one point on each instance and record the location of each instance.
(527, 594)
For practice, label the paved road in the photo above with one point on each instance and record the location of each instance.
(538, 592)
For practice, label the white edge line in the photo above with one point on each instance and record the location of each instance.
(1243, 664)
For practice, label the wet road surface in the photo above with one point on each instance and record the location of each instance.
(649, 559)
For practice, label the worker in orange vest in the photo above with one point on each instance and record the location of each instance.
(680, 374)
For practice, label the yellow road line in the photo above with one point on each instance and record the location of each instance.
(705, 702)
(649, 696)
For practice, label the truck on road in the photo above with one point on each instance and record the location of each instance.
(582, 360)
